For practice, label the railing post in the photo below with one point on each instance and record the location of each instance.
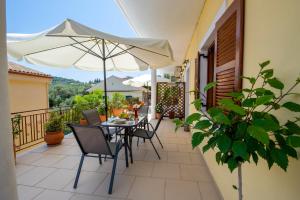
(8, 188)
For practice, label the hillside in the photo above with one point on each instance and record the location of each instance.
(63, 90)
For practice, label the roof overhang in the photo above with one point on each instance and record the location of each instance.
(174, 20)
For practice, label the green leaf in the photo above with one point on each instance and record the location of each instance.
(193, 117)
(263, 99)
(267, 124)
(254, 157)
(198, 104)
(290, 151)
(250, 79)
(239, 148)
(269, 159)
(241, 130)
(178, 123)
(218, 157)
(293, 128)
(264, 64)
(293, 141)
(209, 86)
(280, 158)
(224, 143)
(231, 106)
(203, 124)
(218, 116)
(268, 73)
(258, 133)
(275, 83)
(236, 95)
(292, 106)
(249, 102)
(232, 164)
(197, 138)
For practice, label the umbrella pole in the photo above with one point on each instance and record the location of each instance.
(104, 74)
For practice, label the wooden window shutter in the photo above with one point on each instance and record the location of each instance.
(229, 38)
(197, 76)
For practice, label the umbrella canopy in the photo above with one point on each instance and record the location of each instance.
(143, 80)
(73, 44)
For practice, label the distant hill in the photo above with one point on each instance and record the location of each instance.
(63, 90)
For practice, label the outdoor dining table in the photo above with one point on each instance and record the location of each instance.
(128, 126)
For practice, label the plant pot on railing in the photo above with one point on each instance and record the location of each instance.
(102, 118)
(83, 122)
(117, 111)
(157, 115)
(54, 129)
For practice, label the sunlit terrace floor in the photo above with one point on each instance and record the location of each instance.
(48, 172)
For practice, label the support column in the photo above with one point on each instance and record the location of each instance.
(8, 188)
(153, 92)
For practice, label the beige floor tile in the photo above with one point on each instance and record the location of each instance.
(187, 148)
(195, 173)
(73, 151)
(152, 156)
(69, 162)
(180, 190)
(139, 168)
(179, 157)
(145, 188)
(54, 195)
(29, 158)
(87, 184)
(138, 154)
(106, 166)
(34, 175)
(209, 191)
(166, 170)
(170, 147)
(197, 159)
(48, 160)
(122, 185)
(69, 142)
(91, 164)
(21, 169)
(28, 193)
(58, 180)
(87, 197)
(58, 149)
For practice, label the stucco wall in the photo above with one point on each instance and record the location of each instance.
(271, 32)
(28, 92)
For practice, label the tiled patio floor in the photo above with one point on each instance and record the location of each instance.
(49, 172)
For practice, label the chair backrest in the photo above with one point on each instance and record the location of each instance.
(144, 110)
(91, 116)
(159, 120)
(91, 139)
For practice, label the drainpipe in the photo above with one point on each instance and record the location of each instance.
(8, 188)
(153, 92)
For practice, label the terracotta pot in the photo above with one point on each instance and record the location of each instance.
(130, 108)
(117, 112)
(102, 118)
(171, 114)
(157, 115)
(52, 138)
(83, 122)
(142, 103)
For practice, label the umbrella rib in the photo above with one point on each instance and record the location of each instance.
(134, 55)
(55, 48)
(84, 54)
(90, 51)
(108, 51)
(120, 53)
(113, 49)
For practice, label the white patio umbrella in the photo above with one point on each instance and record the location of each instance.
(143, 80)
(73, 44)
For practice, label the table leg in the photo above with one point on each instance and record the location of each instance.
(127, 133)
(126, 153)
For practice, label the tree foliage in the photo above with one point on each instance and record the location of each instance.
(244, 128)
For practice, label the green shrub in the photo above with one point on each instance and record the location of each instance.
(54, 123)
(117, 100)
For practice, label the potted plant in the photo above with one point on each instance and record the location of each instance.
(158, 110)
(117, 103)
(101, 111)
(245, 128)
(54, 129)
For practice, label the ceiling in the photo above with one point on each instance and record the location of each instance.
(174, 20)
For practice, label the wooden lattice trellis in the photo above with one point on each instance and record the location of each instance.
(172, 97)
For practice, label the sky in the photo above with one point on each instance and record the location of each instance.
(31, 16)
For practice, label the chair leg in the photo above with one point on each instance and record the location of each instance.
(113, 175)
(155, 149)
(137, 142)
(78, 171)
(100, 160)
(126, 154)
(159, 141)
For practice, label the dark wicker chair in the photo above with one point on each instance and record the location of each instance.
(147, 134)
(92, 142)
